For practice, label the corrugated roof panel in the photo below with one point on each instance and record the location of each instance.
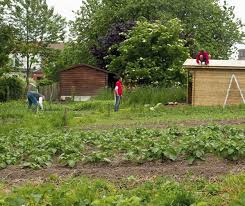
(217, 64)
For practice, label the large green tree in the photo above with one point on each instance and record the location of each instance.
(36, 26)
(206, 24)
(151, 54)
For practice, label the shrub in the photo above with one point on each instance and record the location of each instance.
(11, 88)
(44, 82)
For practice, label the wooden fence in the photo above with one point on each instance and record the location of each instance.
(51, 92)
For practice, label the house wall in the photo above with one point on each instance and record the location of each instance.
(209, 87)
(20, 62)
(82, 81)
(241, 55)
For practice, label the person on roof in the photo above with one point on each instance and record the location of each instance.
(202, 57)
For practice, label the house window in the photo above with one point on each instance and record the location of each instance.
(242, 53)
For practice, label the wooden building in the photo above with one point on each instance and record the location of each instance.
(82, 81)
(241, 55)
(222, 82)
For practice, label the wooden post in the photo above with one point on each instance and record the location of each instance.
(7, 93)
(109, 109)
(187, 96)
(65, 117)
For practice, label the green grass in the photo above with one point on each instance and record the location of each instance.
(227, 191)
(146, 95)
(99, 113)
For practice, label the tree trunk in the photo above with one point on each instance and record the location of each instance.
(27, 71)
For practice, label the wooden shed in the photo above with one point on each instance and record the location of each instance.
(82, 81)
(222, 82)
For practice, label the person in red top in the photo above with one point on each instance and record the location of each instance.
(118, 91)
(202, 56)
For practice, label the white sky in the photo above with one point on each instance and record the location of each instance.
(65, 7)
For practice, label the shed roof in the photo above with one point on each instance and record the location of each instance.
(84, 65)
(215, 64)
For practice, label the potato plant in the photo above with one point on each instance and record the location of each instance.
(41, 149)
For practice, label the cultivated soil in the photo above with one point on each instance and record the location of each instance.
(161, 125)
(211, 168)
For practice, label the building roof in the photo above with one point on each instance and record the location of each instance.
(215, 64)
(58, 46)
(84, 65)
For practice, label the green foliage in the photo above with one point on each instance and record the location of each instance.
(154, 95)
(205, 25)
(56, 60)
(104, 94)
(44, 82)
(11, 88)
(94, 192)
(6, 42)
(36, 27)
(146, 95)
(240, 201)
(151, 54)
(38, 149)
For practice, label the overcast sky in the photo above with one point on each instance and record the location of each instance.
(65, 7)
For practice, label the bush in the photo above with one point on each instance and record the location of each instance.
(44, 82)
(11, 88)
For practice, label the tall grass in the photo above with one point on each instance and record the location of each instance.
(153, 95)
(104, 94)
(146, 95)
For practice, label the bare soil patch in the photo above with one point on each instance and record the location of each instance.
(163, 125)
(211, 168)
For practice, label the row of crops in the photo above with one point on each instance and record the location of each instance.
(40, 148)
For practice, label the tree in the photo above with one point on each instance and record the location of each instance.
(151, 54)
(205, 25)
(6, 38)
(37, 26)
(6, 42)
(58, 60)
(115, 35)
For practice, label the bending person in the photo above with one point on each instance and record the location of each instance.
(35, 98)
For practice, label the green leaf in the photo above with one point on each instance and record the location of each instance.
(190, 160)
(71, 163)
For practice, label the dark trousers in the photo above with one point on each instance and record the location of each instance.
(31, 100)
(117, 103)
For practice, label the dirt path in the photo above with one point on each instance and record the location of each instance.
(185, 123)
(211, 168)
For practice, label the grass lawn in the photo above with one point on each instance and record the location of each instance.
(100, 114)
